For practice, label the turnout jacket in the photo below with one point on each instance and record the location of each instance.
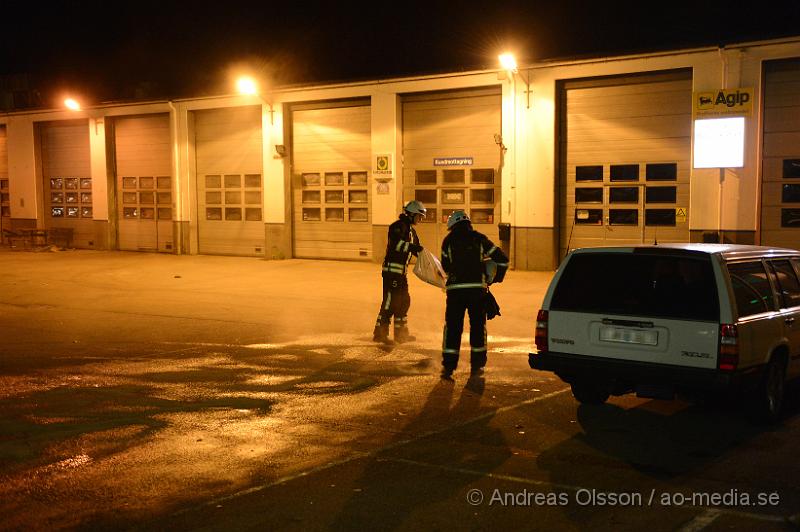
(403, 242)
(464, 252)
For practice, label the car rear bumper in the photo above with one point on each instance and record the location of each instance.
(626, 374)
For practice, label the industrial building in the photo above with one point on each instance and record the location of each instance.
(544, 157)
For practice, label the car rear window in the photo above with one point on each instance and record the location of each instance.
(639, 284)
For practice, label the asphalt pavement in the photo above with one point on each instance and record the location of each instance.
(152, 391)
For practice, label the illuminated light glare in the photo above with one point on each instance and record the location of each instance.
(508, 61)
(72, 104)
(246, 85)
(719, 143)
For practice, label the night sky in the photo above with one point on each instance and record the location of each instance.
(119, 50)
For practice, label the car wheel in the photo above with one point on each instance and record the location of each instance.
(588, 393)
(770, 392)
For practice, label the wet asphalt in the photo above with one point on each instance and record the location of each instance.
(160, 392)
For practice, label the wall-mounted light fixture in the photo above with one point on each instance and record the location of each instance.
(509, 64)
(72, 104)
(248, 85)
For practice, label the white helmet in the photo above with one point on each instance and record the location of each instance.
(456, 217)
(415, 207)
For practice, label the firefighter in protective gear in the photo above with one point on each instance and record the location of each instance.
(464, 253)
(402, 243)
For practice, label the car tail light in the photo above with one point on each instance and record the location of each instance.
(541, 331)
(728, 357)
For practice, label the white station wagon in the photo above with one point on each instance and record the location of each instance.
(662, 319)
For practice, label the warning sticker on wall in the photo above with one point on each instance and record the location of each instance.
(680, 214)
(383, 165)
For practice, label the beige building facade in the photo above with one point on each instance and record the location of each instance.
(554, 156)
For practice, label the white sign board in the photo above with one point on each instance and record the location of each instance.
(719, 142)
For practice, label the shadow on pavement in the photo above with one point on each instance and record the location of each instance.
(392, 490)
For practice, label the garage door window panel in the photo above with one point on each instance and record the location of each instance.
(589, 195)
(483, 176)
(624, 172)
(482, 195)
(311, 180)
(311, 196)
(359, 215)
(233, 197)
(589, 173)
(623, 217)
(334, 196)
(623, 195)
(790, 194)
(357, 196)
(791, 168)
(233, 214)
(790, 217)
(357, 179)
(334, 215)
(425, 177)
(661, 194)
(334, 179)
(453, 177)
(659, 217)
(661, 172)
(589, 216)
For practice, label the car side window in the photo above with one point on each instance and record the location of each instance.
(751, 288)
(786, 282)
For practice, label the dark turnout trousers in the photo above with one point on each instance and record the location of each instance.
(460, 300)
(396, 301)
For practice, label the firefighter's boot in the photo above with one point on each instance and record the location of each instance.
(402, 336)
(381, 334)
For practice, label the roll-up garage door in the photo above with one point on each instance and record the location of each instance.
(451, 160)
(144, 184)
(67, 186)
(625, 145)
(229, 184)
(330, 183)
(5, 198)
(780, 193)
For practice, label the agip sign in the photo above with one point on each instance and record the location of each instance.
(723, 102)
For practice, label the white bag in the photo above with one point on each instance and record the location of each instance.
(429, 269)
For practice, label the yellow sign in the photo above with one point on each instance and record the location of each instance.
(680, 215)
(723, 102)
(382, 164)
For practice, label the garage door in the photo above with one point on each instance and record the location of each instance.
(67, 180)
(451, 160)
(229, 184)
(625, 145)
(5, 198)
(144, 185)
(780, 193)
(330, 183)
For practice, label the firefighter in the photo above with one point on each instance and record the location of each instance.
(465, 253)
(402, 243)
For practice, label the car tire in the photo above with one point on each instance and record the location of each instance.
(588, 393)
(769, 396)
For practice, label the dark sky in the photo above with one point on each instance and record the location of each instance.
(117, 50)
